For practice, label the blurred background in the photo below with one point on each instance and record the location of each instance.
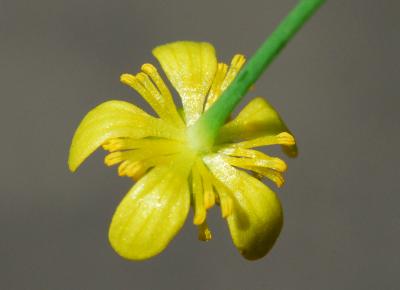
(336, 85)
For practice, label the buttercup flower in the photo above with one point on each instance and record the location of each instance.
(175, 169)
(193, 157)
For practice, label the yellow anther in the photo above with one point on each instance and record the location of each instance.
(285, 138)
(139, 170)
(148, 85)
(113, 158)
(236, 64)
(132, 169)
(135, 83)
(274, 163)
(208, 191)
(279, 180)
(161, 104)
(168, 100)
(226, 206)
(145, 88)
(199, 216)
(215, 90)
(248, 157)
(113, 144)
(238, 61)
(122, 168)
(209, 198)
(152, 72)
(198, 197)
(149, 69)
(276, 177)
(225, 200)
(129, 80)
(204, 232)
(271, 174)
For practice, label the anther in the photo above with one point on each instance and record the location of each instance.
(113, 158)
(149, 69)
(199, 208)
(225, 200)
(113, 144)
(285, 138)
(226, 206)
(215, 90)
(128, 79)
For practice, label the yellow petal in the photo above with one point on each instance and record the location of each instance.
(190, 66)
(257, 119)
(151, 213)
(256, 219)
(114, 119)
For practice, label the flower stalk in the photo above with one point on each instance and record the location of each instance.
(205, 130)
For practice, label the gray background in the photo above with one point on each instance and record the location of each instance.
(336, 85)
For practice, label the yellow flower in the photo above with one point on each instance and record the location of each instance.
(173, 170)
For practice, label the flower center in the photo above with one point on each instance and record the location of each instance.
(198, 140)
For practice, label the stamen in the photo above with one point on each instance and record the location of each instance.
(209, 195)
(113, 158)
(122, 168)
(283, 138)
(152, 72)
(204, 232)
(130, 80)
(215, 90)
(271, 174)
(142, 84)
(149, 86)
(116, 144)
(225, 200)
(139, 170)
(134, 169)
(226, 206)
(145, 154)
(236, 64)
(253, 158)
(198, 197)
(273, 163)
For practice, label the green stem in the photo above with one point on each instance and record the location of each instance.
(211, 121)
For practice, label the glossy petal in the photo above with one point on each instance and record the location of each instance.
(151, 213)
(258, 118)
(190, 66)
(114, 119)
(256, 219)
